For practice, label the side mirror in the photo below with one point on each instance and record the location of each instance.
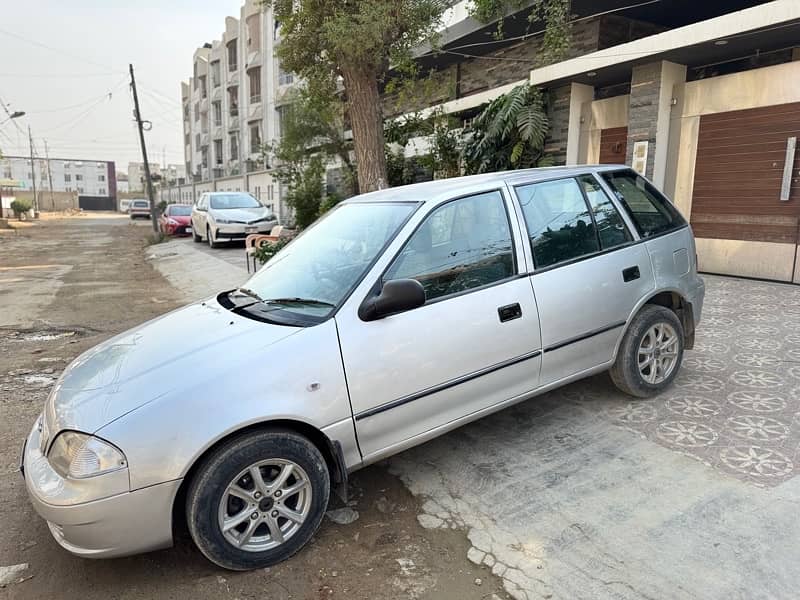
(395, 296)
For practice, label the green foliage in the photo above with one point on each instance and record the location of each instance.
(313, 124)
(20, 206)
(266, 251)
(445, 141)
(509, 133)
(554, 13)
(307, 193)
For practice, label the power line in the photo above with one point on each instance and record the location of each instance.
(60, 51)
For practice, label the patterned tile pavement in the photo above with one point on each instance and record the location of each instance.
(735, 405)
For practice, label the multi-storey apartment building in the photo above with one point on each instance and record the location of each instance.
(231, 107)
(85, 177)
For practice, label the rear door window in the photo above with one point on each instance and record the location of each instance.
(610, 227)
(651, 212)
(559, 222)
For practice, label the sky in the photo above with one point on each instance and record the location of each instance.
(66, 65)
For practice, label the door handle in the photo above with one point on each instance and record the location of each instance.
(630, 274)
(509, 312)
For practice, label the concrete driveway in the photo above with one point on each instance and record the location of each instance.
(584, 493)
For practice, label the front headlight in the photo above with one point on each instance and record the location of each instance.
(79, 455)
(172, 221)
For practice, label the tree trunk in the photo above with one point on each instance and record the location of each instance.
(361, 86)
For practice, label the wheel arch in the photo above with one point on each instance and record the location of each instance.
(330, 450)
(672, 299)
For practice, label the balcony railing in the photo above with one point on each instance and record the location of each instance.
(255, 98)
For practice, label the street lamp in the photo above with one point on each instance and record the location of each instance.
(15, 115)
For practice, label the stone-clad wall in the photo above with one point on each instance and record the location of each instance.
(643, 114)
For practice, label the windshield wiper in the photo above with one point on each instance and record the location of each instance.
(251, 293)
(298, 301)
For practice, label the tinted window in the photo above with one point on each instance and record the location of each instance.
(650, 211)
(610, 226)
(140, 204)
(462, 245)
(559, 223)
(227, 201)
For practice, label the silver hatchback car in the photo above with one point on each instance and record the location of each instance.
(400, 315)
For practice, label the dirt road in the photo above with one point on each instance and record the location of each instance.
(68, 284)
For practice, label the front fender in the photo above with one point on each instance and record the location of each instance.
(163, 439)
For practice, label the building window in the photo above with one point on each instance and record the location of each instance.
(203, 87)
(196, 111)
(197, 140)
(218, 151)
(217, 107)
(101, 191)
(78, 177)
(255, 138)
(285, 78)
(101, 178)
(254, 33)
(255, 84)
(204, 156)
(80, 190)
(233, 101)
(215, 74)
(187, 139)
(282, 113)
(69, 189)
(232, 57)
(67, 177)
(234, 140)
(67, 165)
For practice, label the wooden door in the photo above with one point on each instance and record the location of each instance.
(739, 172)
(613, 145)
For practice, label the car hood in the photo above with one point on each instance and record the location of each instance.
(151, 360)
(240, 214)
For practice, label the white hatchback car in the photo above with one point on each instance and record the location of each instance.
(398, 316)
(227, 216)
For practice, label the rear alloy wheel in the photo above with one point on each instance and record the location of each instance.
(258, 499)
(211, 242)
(650, 354)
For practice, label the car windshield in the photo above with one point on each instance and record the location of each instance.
(179, 211)
(226, 201)
(140, 204)
(316, 271)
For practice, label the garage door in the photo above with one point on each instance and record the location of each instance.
(738, 187)
(613, 145)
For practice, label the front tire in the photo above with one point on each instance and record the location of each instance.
(195, 236)
(651, 353)
(211, 242)
(258, 499)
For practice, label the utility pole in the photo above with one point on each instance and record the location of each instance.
(147, 177)
(49, 176)
(33, 175)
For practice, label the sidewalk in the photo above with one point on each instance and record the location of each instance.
(193, 273)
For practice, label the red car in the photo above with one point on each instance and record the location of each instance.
(176, 220)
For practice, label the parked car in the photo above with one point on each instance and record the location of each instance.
(176, 219)
(226, 216)
(398, 316)
(139, 208)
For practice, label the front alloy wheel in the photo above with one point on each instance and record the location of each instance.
(257, 499)
(265, 505)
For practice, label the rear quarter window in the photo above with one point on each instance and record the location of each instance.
(650, 211)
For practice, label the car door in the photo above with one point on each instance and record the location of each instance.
(473, 344)
(590, 272)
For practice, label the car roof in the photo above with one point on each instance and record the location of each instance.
(440, 189)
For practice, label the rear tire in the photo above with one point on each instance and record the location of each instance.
(651, 353)
(223, 489)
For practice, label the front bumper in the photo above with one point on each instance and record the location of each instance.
(118, 525)
(239, 231)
